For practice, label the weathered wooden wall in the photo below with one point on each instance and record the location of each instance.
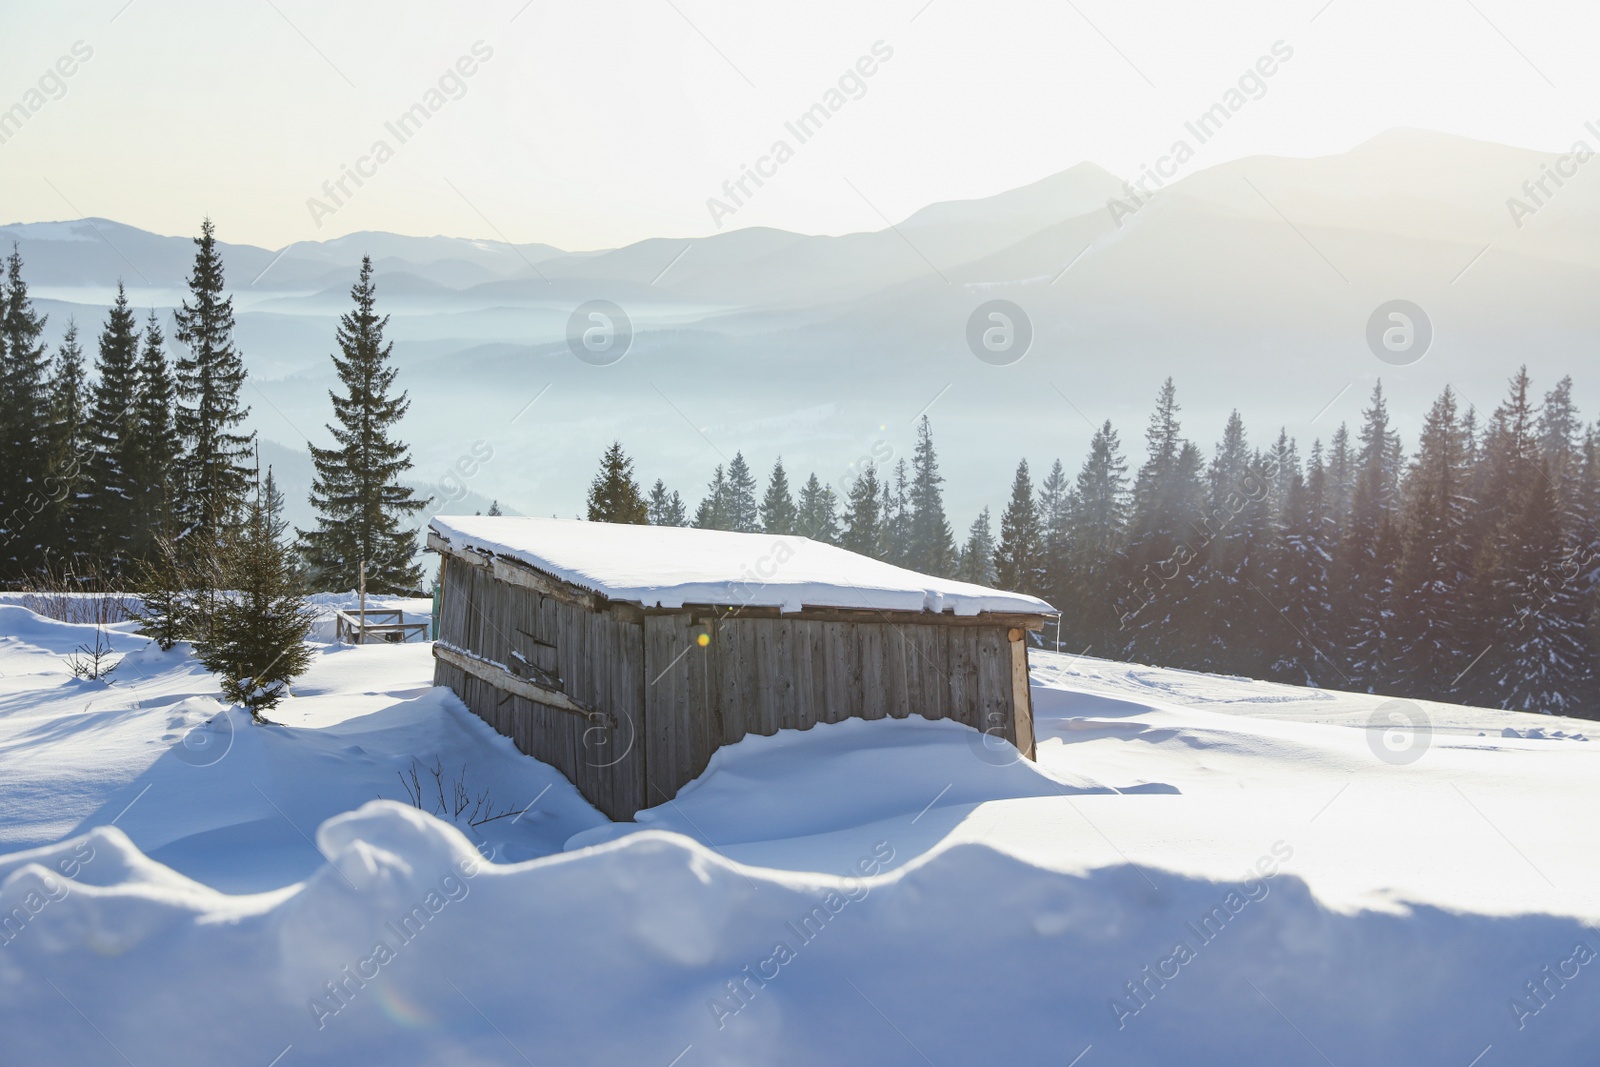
(672, 702)
(595, 655)
(762, 675)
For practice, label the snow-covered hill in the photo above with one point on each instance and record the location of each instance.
(1192, 860)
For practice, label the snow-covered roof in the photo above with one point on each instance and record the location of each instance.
(669, 566)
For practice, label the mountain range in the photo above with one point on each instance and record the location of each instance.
(1251, 283)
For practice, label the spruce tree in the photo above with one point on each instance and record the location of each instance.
(863, 522)
(68, 455)
(778, 515)
(1055, 501)
(1018, 558)
(817, 514)
(714, 510)
(213, 475)
(154, 430)
(664, 508)
(1341, 476)
(1097, 530)
(1234, 533)
(1434, 568)
(255, 637)
(743, 513)
(362, 508)
(1558, 428)
(1500, 483)
(1541, 662)
(613, 495)
(977, 555)
(1297, 619)
(1364, 562)
(894, 516)
(110, 506)
(24, 425)
(930, 545)
(1161, 619)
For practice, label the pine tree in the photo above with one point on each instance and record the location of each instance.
(154, 432)
(1433, 575)
(930, 545)
(1299, 616)
(1541, 662)
(778, 515)
(1055, 505)
(664, 508)
(493, 512)
(362, 508)
(213, 477)
(1161, 618)
(24, 425)
(68, 454)
(977, 555)
(1364, 562)
(110, 507)
(613, 495)
(255, 638)
(894, 516)
(1500, 484)
(817, 515)
(1558, 428)
(1233, 557)
(863, 519)
(1018, 558)
(714, 510)
(743, 514)
(1097, 529)
(1341, 480)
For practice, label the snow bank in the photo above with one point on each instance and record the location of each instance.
(668, 566)
(407, 948)
(1198, 870)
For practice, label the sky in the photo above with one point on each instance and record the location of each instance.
(592, 125)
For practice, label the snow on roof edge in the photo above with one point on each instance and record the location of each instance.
(671, 567)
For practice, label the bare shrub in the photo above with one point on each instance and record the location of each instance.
(79, 597)
(456, 803)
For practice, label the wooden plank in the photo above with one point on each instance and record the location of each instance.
(629, 746)
(994, 683)
(510, 683)
(757, 709)
(897, 657)
(874, 687)
(1021, 698)
(777, 676)
(517, 574)
(930, 672)
(836, 659)
(785, 694)
(962, 649)
(725, 682)
(705, 727)
(666, 732)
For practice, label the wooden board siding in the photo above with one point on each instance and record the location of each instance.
(598, 662)
(676, 702)
(761, 675)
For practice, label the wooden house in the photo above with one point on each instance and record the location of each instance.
(625, 655)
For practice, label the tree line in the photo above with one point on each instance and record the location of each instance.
(138, 473)
(1464, 571)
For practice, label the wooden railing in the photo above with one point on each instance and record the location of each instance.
(361, 627)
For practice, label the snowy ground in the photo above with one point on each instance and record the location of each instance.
(1198, 870)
